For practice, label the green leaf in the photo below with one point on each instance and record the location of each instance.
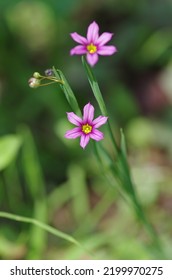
(67, 91)
(94, 86)
(9, 146)
(36, 186)
(43, 226)
(123, 144)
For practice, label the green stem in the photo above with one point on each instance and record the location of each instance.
(99, 98)
(39, 224)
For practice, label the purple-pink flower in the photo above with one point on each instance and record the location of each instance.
(86, 127)
(94, 45)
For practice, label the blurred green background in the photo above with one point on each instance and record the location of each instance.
(49, 178)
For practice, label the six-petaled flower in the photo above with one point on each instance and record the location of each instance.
(94, 45)
(86, 127)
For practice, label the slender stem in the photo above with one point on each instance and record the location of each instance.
(46, 84)
(44, 226)
(51, 78)
(99, 98)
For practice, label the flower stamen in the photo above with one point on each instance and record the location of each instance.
(86, 128)
(91, 48)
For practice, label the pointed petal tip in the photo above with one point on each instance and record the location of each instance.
(73, 34)
(93, 22)
(83, 147)
(71, 52)
(88, 108)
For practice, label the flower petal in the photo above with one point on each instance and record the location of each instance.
(96, 135)
(78, 38)
(107, 50)
(73, 133)
(92, 58)
(99, 121)
(74, 119)
(84, 140)
(104, 38)
(92, 32)
(78, 50)
(88, 113)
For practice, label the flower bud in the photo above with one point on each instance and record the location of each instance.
(36, 75)
(49, 72)
(33, 82)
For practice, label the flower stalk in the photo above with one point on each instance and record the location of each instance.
(36, 80)
(99, 98)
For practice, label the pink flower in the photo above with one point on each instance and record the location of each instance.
(86, 127)
(93, 45)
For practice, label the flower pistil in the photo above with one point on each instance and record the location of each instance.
(91, 48)
(86, 128)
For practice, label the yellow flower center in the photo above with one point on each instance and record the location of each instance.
(91, 48)
(86, 128)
